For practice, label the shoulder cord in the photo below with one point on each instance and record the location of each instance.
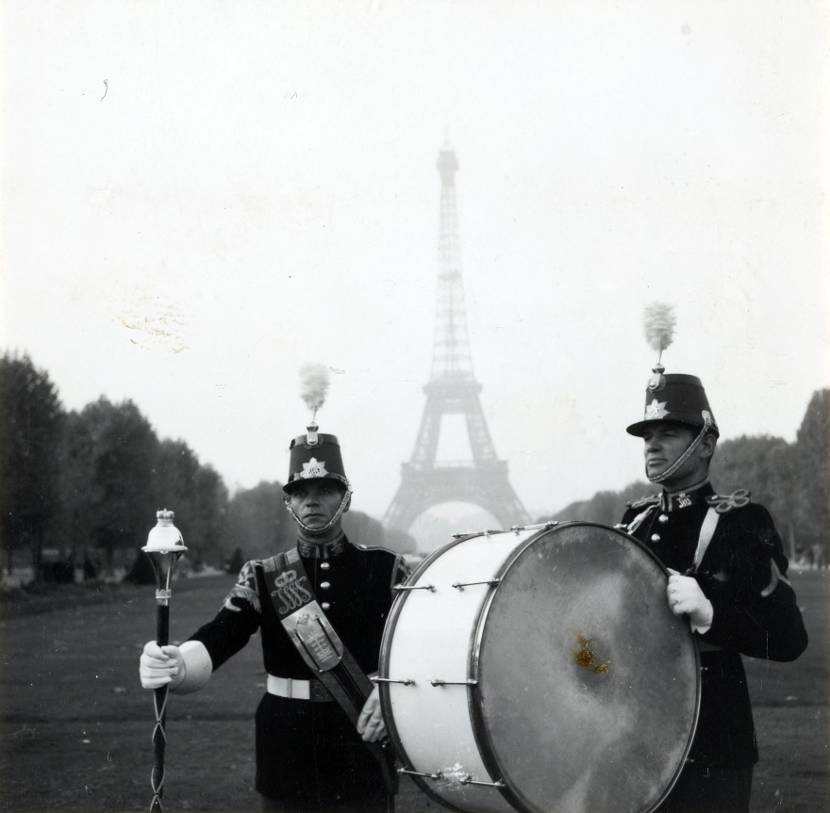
(639, 519)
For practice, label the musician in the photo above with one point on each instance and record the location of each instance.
(311, 753)
(727, 576)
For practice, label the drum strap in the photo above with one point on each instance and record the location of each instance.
(707, 531)
(321, 648)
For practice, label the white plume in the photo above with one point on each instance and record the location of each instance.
(314, 384)
(659, 323)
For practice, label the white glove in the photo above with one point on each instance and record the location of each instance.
(370, 724)
(686, 598)
(159, 666)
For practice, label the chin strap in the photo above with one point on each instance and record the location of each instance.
(345, 500)
(708, 423)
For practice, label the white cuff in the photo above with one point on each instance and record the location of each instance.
(197, 666)
(702, 629)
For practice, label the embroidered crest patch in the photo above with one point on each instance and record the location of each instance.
(291, 592)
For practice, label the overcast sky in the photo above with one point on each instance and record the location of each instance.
(198, 197)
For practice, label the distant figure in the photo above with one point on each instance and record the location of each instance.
(727, 576)
(817, 561)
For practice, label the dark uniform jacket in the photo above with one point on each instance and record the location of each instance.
(743, 574)
(308, 750)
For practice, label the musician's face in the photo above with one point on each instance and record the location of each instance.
(315, 502)
(665, 442)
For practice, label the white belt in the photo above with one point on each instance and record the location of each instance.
(288, 687)
(294, 689)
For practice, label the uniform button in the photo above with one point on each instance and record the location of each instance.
(324, 565)
(655, 537)
(325, 585)
(325, 605)
(663, 518)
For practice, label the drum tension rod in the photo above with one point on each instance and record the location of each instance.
(405, 682)
(462, 585)
(421, 774)
(438, 682)
(430, 587)
(539, 526)
(468, 780)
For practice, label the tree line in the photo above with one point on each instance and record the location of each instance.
(791, 479)
(87, 484)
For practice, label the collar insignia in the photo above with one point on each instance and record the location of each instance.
(656, 410)
(327, 550)
(686, 498)
(314, 468)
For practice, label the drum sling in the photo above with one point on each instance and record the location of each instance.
(322, 649)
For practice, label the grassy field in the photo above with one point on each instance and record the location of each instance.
(76, 725)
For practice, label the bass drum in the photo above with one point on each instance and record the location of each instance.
(540, 669)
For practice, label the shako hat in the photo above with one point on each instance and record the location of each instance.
(314, 456)
(675, 397)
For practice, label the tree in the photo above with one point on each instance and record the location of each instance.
(30, 432)
(760, 464)
(198, 496)
(124, 449)
(76, 457)
(811, 496)
(257, 520)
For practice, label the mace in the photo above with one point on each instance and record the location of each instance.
(164, 546)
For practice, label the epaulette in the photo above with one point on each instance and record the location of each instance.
(370, 548)
(651, 499)
(722, 503)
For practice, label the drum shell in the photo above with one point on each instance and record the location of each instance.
(563, 731)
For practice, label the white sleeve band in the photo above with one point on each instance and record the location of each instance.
(198, 667)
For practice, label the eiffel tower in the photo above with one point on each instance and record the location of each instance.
(452, 390)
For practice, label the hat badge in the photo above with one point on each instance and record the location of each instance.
(656, 410)
(314, 468)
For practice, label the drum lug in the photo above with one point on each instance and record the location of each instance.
(462, 585)
(464, 780)
(430, 587)
(468, 682)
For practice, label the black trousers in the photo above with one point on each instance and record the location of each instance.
(710, 790)
(380, 804)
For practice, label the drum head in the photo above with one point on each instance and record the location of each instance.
(588, 686)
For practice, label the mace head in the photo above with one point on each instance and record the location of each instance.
(165, 537)
(164, 546)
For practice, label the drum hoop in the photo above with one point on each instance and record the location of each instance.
(482, 736)
(383, 663)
